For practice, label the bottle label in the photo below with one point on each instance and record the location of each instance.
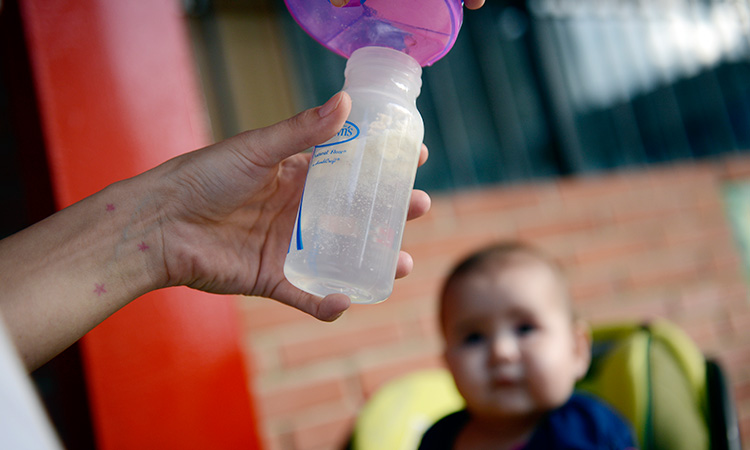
(330, 153)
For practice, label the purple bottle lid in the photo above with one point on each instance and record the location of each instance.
(424, 29)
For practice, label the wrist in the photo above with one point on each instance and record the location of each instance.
(64, 275)
(136, 256)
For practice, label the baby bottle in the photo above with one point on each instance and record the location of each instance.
(350, 221)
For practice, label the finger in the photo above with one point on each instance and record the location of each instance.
(268, 146)
(328, 308)
(419, 204)
(423, 155)
(339, 3)
(405, 265)
(332, 307)
(474, 4)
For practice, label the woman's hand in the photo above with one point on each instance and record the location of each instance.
(229, 210)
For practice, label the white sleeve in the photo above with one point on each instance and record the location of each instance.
(23, 421)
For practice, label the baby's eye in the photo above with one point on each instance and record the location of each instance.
(525, 328)
(473, 338)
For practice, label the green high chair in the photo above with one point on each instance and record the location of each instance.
(653, 374)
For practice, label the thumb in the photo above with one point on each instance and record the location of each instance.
(269, 146)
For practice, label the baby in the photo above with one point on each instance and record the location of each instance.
(516, 350)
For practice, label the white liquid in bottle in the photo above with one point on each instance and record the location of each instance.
(350, 223)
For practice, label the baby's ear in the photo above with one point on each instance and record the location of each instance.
(582, 349)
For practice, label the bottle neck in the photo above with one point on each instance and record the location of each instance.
(384, 69)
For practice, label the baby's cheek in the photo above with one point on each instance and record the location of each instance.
(466, 369)
(550, 393)
(551, 382)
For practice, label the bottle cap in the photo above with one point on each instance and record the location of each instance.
(424, 29)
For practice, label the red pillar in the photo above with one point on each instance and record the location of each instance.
(117, 95)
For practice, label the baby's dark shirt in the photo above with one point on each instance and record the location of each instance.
(582, 423)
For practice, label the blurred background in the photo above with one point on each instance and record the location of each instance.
(613, 134)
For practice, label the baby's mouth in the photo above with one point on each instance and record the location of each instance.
(506, 380)
(504, 384)
(506, 375)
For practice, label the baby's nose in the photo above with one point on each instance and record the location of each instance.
(504, 348)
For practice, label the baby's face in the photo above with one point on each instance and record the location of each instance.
(510, 341)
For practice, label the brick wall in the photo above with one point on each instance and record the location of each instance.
(639, 244)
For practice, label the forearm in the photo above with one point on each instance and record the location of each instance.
(66, 274)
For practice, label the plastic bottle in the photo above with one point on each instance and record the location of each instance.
(351, 219)
(350, 222)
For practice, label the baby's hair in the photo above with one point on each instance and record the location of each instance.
(497, 257)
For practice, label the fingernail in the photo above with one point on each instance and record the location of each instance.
(339, 3)
(330, 106)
